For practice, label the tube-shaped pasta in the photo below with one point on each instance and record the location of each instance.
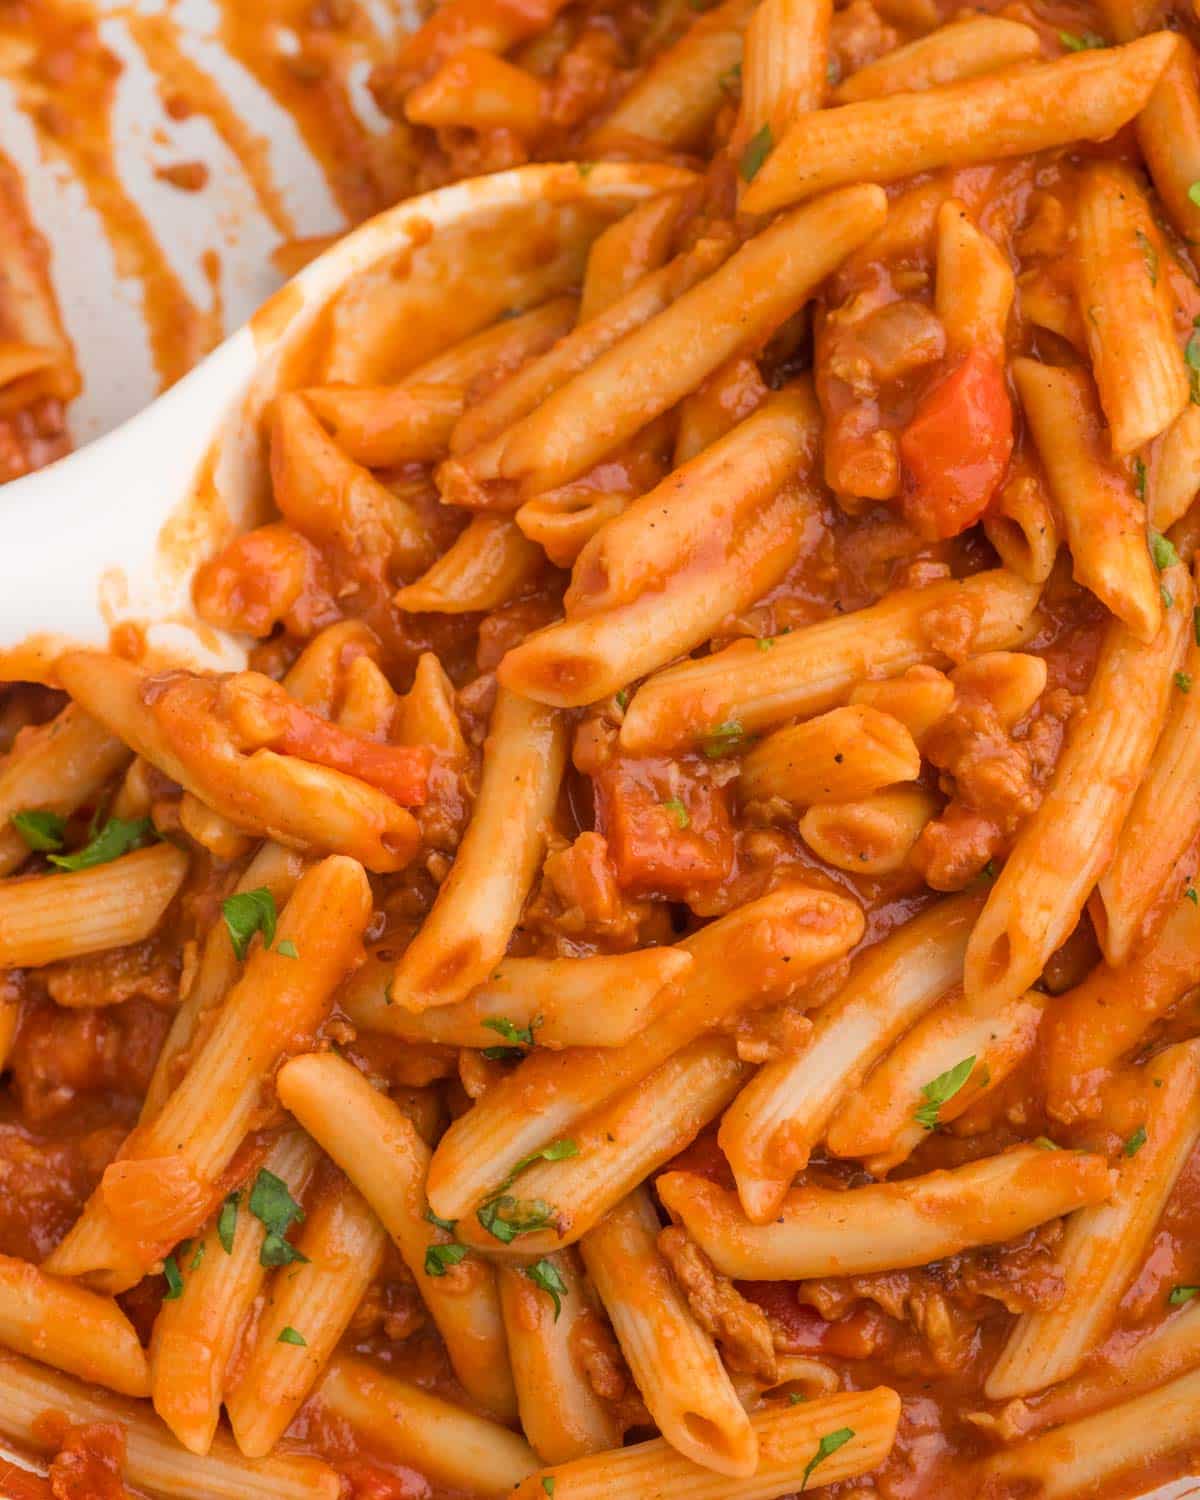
(1106, 527)
(657, 581)
(789, 1438)
(1023, 528)
(475, 90)
(602, 1001)
(786, 56)
(480, 901)
(55, 767)
(621, 1144)
(426, 714)
(674, 1362)
(561, 1415)
(951, 54)
(1127, 307)
(178, 729)
(626, 251)
(153, 1459)
(313, 1301)
(1161, 824)
(1090, 1028)
(489, 563)
(758, 951)
(918, 699)
(889, 1225)
(274, 869)
(70, 1328)
(836, 757)
(737, 308)
(1104, 1246)
(772, 1127)
(871, 835)
(45, 918)
(1079, 1457)
(1087, 96)
(1065, 846)
(195, 1335)
(1176, 478)
(452, 1446)
(378, 1147)
(491, 417)
(674, 100)
(162, 1186)
(975, 284)
(317, 678)
(878, 1121)
(815, 667)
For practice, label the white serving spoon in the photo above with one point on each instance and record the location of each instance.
(113, 533)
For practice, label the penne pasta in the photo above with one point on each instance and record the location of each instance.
(628, 250)
(784, 68)
(836, 757)
(490, 563)
(1176, 478)
(951, 54)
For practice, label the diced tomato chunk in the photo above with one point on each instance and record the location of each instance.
(669, 832)
(956, 448)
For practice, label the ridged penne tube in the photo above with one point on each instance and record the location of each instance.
(731, 393)
(1104, 1246)
(1022, 527)
(55, 767)
(1068, 842)
(1087, 96)
(69, 1328)
(788, 1436)
(176, 728)
(381, 425)
(918, 699)
(525, 391)
(784, 65)
(626, 251)
(476, 90)
(467, 23)
(674, 1362)
(479, 903)
(427, 714)
(454, 1447)
(951, 54)
(161, 1187)
(317, 678)
(273, 868)
(1090, 1028)
(878, 1122)
(676, 97)
(770, 1130)
(196, 1335)
(603, 1001)
(1079, 1457)
(1160, 826)
(489, 563)
(1127, 307)
(378, 1147)
(815, 667)
(561, 1415)
(655, 582)
(622, 1143)
(975, 285)
(46, 918)
(153, 1459)
(1105, 525)
(343, 1245)
(890, 1225)
(756, 952)
(1175, 480)
(836, 757)
(335, 502)
(737, 308)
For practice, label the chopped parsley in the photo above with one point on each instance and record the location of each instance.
(449, 1225)
(724, 738)
(227, 1222)
(198, 1257)
(795, 1398)
(1149, 255)
(249, 912)
(505, 1217)
(829, 1444)
(1183, 681)
(174, 1280)
(1139, 478)
(678, 811)
(1135, 1142)
(289, 1335)
(1044, 1143)
(765, 642)
(1163, 553)
(623, 698)
(276, 1210)
(548, 1483)
(1084, 41)
(1190, 894)
(41, 830)
(1180, 1294)
(518, 1036)
(545, 1274)
(439, 1258)
(287, 949)
(1194, 193)
(758, 148)
(941, 1090)
(117, 837)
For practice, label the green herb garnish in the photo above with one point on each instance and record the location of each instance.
(830, 1443)
(941, 1090)
(276, 1210)
(545, 1274)
(227, 1222)
(249, 912)
(439, 1258)
(118, 836)
(724, 738)
(757, 150)
(41, 830)
(678, 811)
(289, 1335)
(1135, 1142)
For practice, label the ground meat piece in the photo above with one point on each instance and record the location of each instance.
(140, 972)
(89, 1462)
(740, 1327)
(912, 1297)
(60, 1054)
(44, 1184)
